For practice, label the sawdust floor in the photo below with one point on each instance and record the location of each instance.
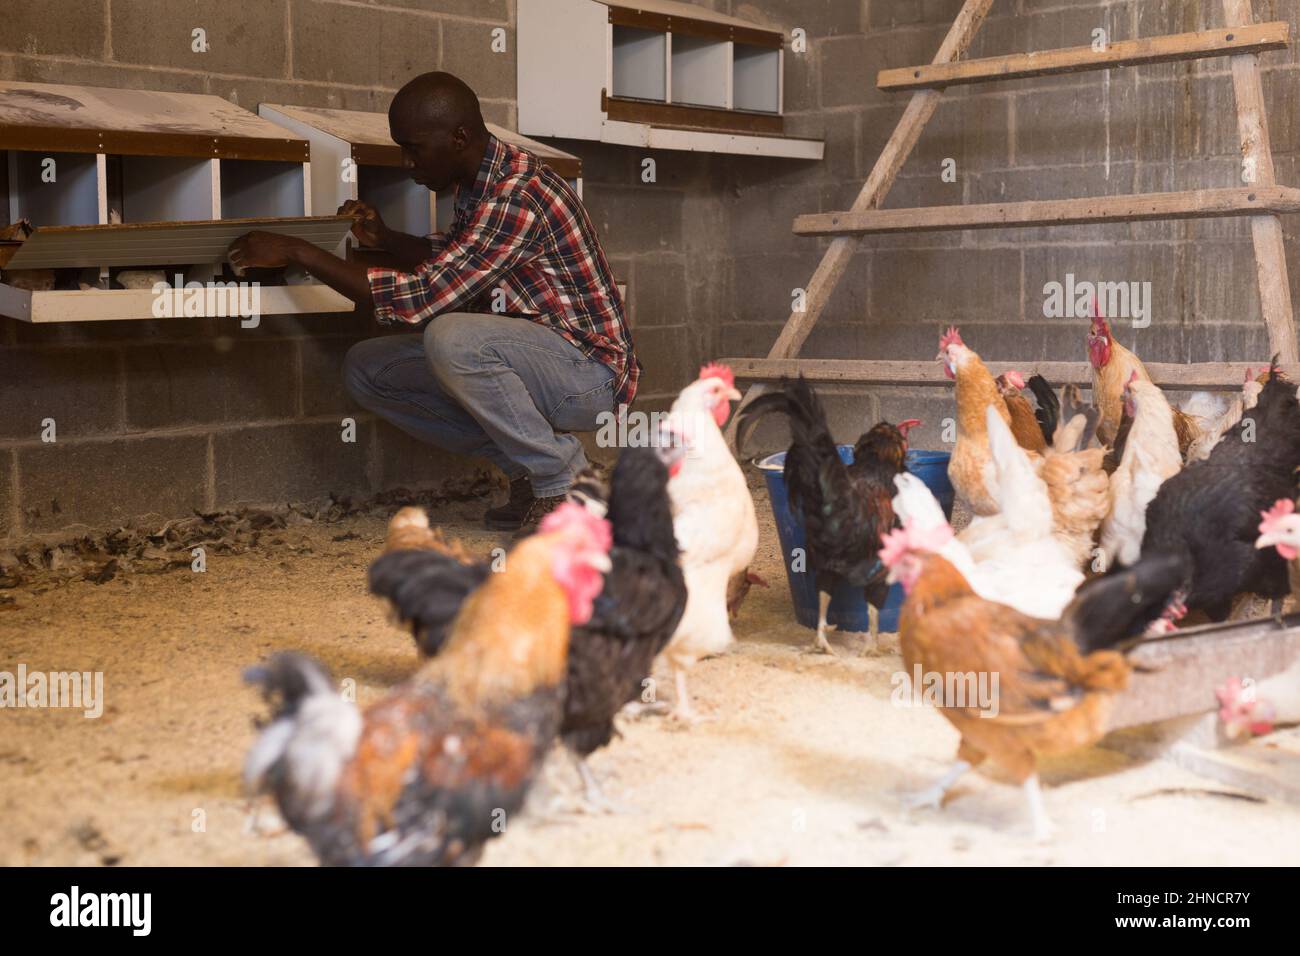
(803, 762)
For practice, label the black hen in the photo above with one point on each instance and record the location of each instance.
(845, 508)
(637, 611)
(1208, 514)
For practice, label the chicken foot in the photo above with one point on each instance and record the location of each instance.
(932, 796)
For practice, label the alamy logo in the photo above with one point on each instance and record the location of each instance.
(80, 690)
(967, 690)
(103, 909)
(1117, 300)
(206, 300)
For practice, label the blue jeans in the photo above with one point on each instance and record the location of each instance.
(494, 386)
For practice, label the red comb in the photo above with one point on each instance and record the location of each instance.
(1015, 378)
(1250, 373)
(1280, 510)
(893, 545)
(724, 372)
(1096, 309)
(951, 337)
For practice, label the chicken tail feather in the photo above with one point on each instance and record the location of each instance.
(1112, 610)
(426, 589)
(1048, 411)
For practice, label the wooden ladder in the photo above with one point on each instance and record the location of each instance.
(1262, 200)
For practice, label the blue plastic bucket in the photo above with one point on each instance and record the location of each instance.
(848, 609)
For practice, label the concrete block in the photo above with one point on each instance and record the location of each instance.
(80, 389)
(467, 52)
(932, 405)
(821, 18)
(107, 483)
(361, 46)
(71, 28)
(160, 33)
(298, 462)
(660, 295)
(940, 285)
(1130, 262)
(496, 10)
(636, 218)
(670, 358)
(403, 462)
(321, 362)
(8, 496)
(173, 385)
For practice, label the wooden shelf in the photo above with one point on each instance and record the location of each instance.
(1196, 204)
(1211, 376)
(688, 77)
(1227, 41)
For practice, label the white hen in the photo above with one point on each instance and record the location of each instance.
(1012, 557)
(1151, 457)
(714, 520)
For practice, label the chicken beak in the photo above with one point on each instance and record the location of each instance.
(599, 561)
(734, 395)
(1267, 540)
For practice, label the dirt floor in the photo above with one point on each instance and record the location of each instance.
(803, 761)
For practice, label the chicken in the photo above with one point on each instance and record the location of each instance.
(431, 772)
(1024, 422)
(1150, 457)
(1220, 426)
(637, 611)
(1248, 707)
(1049, 685)
(1113, 366)
(1076, 484)
(1207, 515)
(1012, 557)
(639, 607)
(408, 530)
(424, 577)
(715, 524)
(844, 508)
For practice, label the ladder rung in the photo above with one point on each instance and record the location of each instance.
(1226, 41)
(1193, 204)
(1221, 376)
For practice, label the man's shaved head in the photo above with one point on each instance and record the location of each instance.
(437, 121)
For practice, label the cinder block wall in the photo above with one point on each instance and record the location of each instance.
(1162, 127)
(163, 417)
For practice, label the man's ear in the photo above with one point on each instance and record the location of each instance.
(460, 136)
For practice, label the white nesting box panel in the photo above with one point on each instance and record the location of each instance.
(81, 155)
(661, 74)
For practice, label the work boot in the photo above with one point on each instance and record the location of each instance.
(509, 516)
(539, 509)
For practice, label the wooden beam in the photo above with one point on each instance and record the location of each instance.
(1211, 376)
(1257, 170)
(1162, 49)
(1193, 204)
(836, 260)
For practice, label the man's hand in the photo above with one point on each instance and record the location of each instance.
(263, 250)
(366, 224)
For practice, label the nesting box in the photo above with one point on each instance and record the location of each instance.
(654, 73)
(91, 168)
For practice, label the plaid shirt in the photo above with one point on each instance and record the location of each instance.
(523, 231)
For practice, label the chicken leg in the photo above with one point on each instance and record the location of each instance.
(873, 625)
(1043, 826)
(821, 645)
(933, 796)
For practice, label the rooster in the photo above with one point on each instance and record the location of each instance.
(1072, 471)
(1011, 557)
(844, 508)
(427, 775)
(715, 524)
(1207, 515)
(1150, 458)
(636, 612)
(1056, 680)
(1025, 424)
(1113, 367)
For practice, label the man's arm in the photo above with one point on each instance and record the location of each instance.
(400, 250)
(270, 250)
